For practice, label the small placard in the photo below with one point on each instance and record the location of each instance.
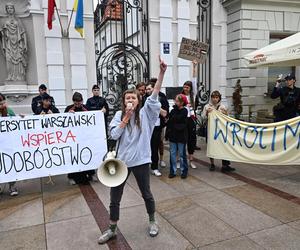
(193, 50)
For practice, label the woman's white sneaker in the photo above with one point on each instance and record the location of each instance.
(153, 229)
(156, 172)
(106, 236)
(192, 165)
(163, 164)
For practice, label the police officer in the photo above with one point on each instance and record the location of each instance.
(289, 98)
(97, 102)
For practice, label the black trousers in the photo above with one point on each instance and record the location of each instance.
(142, 177)
(192, 138)
(82, 177)
(155, 142)
(225, 163)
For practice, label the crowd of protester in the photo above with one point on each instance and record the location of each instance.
(176, 124)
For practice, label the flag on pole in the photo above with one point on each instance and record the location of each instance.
(51, 17)
(78, 7)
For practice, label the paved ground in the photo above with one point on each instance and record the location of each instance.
(256, 208)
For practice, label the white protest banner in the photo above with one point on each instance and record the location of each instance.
(193, 50)
(38, 146)
(269, 144)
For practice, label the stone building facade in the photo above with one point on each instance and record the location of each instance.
(238, 27)
(64, 63)
(252, 25)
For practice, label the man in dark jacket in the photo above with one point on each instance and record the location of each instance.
(97, 102)
(159, 125)
(89, 175)
(46, 106)
(289, 99)
(37, 101)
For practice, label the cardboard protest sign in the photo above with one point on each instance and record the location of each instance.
(193, 50)
(38, 146)
(269, 144)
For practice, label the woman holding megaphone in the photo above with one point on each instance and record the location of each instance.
(133, 127)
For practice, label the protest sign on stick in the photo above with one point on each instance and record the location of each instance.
(39, 146)
(193, 50)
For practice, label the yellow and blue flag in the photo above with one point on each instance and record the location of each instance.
(78, 7)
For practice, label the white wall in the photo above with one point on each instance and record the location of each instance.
(170, 20)
(67, 64)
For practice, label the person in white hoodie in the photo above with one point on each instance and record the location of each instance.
(215, 104)
(132, 127)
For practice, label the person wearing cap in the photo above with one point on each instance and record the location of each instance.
(177, 134)
(289, 99)
(46, 106)
(37, 101)
(97, 102)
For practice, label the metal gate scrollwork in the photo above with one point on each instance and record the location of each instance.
(204, 34)
(122, 34)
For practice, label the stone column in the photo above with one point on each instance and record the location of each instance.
(166, 36)
(183, 27)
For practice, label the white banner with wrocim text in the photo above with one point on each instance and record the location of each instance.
(269, 144)
(47, 145)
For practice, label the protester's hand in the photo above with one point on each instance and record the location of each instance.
(71, 111)
(163, 112)
(103, 110)
(224, 111)
(209, 110)
(42, 113)
(278, 80)
(280, 77)
(50, 112)
(22, 115)
(163, 66)
(129, 112)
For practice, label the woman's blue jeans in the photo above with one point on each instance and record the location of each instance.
(181, 149)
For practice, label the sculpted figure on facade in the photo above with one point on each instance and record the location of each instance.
(14, 45)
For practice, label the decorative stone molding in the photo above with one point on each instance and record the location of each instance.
(228, 3)
(16, 98)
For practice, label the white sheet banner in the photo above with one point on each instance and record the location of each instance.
(269, 144)
(38, 146)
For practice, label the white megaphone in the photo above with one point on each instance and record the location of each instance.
(112, 172)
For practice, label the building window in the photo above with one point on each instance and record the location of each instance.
(274, 72)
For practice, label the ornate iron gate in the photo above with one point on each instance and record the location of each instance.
(204, 35)
(122, 34)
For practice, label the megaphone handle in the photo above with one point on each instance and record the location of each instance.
(104, 157)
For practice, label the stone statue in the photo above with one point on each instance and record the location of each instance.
(14, 45)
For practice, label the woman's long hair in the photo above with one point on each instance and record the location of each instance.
(190, 84)
(3, 112)
(138, 108)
